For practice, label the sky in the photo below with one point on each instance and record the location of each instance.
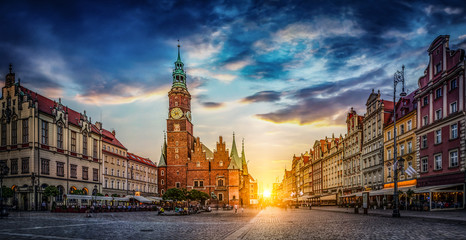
(280, 74)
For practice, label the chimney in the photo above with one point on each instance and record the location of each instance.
(113, 132)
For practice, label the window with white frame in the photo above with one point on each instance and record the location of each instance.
(424, 121)
(438, 161)
(410, 147)
(453, 84)
(438, 136)
(453, 107)
(389, 154)
(454, 158)
(424, 164)
(402, 129)
(425, 101)
(424, 141)
(410, 125)
(438, 93)
(454, 131)
(389, 135)
(438, 114)
(402, 149)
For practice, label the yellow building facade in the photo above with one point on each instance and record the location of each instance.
(406, 143)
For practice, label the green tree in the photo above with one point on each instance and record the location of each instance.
(51, 191)
(7, 192)
(175, 194)
(198, 195)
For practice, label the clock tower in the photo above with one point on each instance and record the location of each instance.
(180, 139)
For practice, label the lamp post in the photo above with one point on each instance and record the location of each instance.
(397, 78)
(94, 193)
(3, 172)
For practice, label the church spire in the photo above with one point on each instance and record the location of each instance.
(179, 75)
(235, 160)
(244, 164)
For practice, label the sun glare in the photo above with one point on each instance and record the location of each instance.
(266, 193)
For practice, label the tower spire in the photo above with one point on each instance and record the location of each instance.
(179, 75)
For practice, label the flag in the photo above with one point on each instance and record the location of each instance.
(411, 171)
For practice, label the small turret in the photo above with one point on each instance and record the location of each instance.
(10, 77)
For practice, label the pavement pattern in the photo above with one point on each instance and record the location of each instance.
(270, 223)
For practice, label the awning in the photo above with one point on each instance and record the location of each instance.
(349, 195)
(155, 199)
(142, 199)
(332, 197)
(100, 198)
(121, 199)
(71, 196)
(439, 188)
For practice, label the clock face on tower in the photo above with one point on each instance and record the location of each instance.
(176, 113)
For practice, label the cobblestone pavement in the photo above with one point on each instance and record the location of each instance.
(271, 223)
(275, 223)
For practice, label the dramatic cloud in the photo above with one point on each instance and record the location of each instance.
(212, 104)
(263, 96)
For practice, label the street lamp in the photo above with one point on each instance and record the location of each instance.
(398, 77)
(3, 172)
(94, 193)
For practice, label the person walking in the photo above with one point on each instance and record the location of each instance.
(236, 208)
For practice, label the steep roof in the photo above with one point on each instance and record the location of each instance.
(235, 160)
(404, 106)
(146, 161)
(208, 152)
(109, 138)
(47, 105)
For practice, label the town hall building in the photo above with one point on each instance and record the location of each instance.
(186, 163)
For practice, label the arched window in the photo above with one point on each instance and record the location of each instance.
(162, 173)
(85, 191)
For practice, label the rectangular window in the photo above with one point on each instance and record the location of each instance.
(410, 125)
(45, 166)
(402, 149)
(410, 147)
(59, 137)
(424, 121)
(196, 183)
(402, 129)
(438, 161)
(84, 144)
(454, 131)
(73, 171)
(25, 131)
(389, 154)
(25, 165)
(95, 174)
(453, 84)
(95, 148)
(178, 185)
(201, 183)
(3, 134)
(14, 132)
(438, 136)
(424, 166)
(425, 101)
(438, 93)
(438, 68)
(453, 107)
(85, 173)
(389, 135)
(73, 141)
(60, 169)
(424, 141)
(14, 166)
(45, 132)
(454, 158)
(438, 114)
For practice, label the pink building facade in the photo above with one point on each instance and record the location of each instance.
(441, 120)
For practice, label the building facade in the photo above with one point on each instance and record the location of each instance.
(441, 124)
(45, 143)
(405, 144)
(185, 162)
(372, 155)
(142, 176)
(114, 165)
(352, 153)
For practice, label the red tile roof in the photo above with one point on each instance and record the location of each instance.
(408, 104)
(46, 105)
(108, 137)
(134, 157)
